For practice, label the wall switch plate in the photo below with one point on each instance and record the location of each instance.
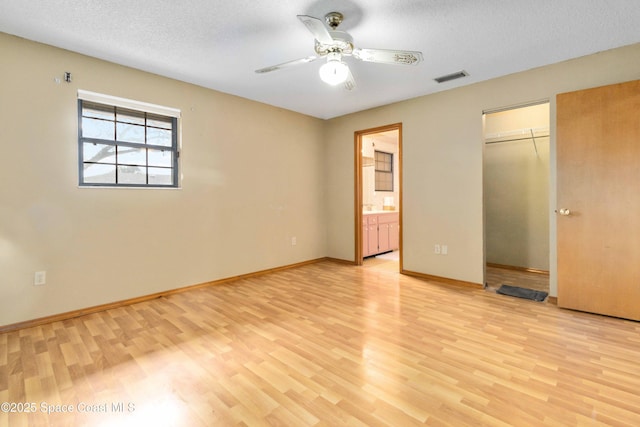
(436, 249)
(40, 278)
(444, 249)
(294, 241)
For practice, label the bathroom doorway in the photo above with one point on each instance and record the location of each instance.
(516, 197)
(378, 197)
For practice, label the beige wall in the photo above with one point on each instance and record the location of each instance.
(516, 187)
(442, 161)
(253, 178)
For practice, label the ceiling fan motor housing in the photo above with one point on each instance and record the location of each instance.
(342, 43)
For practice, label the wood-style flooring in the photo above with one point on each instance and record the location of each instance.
(496, 277)
(325, 344)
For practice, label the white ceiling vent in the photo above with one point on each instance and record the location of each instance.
(452, 76)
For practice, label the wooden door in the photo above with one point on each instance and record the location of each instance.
(598, 155)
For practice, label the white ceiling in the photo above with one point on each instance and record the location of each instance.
(218, 44)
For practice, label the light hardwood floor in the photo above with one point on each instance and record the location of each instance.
(327, 344)
(503, 276)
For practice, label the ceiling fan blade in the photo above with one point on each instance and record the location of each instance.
(383, 56)
(317, 28)
(287, 64)
(350, 83)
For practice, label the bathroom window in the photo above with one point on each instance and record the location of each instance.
(124, 143)
(384, 171)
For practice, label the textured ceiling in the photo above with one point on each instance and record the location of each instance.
(218, 44)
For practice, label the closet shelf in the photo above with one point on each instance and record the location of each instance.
(516, 135)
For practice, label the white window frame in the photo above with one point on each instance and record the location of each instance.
(111, 101)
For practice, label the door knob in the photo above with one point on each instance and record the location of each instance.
(564, 212)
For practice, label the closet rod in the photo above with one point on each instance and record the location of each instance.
(516, 139)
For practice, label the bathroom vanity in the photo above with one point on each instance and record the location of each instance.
(380, 232)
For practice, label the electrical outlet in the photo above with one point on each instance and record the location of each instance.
(444, 249)
(294, 241)
(436, 249)
(40, 278)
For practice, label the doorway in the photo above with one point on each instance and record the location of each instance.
(378, 196)
(516, 197)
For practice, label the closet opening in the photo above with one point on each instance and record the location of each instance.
(516, 200)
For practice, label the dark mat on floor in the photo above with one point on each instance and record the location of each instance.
(515, 291)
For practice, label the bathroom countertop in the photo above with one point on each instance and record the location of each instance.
(377, 212)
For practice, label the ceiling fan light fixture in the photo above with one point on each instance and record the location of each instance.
(334, 72)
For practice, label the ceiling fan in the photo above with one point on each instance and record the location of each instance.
(335, 45)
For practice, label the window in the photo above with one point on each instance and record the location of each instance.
(126, 144)
(384, 171)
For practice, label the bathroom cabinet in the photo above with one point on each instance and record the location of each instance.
(380, 233)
